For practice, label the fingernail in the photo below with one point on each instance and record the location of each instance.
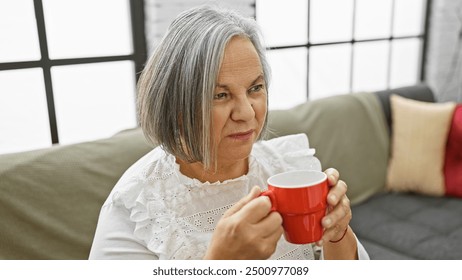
(327, 221)
(333, 197)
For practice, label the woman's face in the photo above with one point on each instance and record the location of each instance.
(239, 102)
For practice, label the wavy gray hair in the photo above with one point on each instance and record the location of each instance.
(177, 84)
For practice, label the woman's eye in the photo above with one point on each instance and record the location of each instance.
(256, 88)
(221, 95)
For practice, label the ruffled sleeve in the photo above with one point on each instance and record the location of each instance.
(153, 202)
(291, 152)
(155, 223)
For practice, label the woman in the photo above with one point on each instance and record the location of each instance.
(203, 99)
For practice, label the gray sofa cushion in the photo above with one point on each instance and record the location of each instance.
(409, 226)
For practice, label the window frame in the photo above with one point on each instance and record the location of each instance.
(138, 56)
(423, 36)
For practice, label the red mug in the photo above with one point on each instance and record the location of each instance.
(301, 198)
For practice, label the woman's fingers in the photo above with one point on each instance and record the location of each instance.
(337, 220)
(332, 176)
(338, 213)
(337, 192)
(271, 224)
(248, 230)
(255, 210)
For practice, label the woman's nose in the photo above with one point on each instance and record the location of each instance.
(243, 110)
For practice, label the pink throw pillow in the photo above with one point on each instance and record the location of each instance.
(453, 156)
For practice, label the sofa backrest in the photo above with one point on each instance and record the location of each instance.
(419, 92)
(50, 199)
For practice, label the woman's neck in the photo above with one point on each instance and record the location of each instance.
(222, 173)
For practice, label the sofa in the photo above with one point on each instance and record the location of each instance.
(50, 198)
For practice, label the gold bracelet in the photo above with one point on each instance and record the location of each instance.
(343, 235)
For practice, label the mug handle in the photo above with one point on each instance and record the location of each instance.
(272, 197)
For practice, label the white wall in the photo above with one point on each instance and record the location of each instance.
(159, 14)
(444, 60)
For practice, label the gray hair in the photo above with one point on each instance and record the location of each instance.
(176, 87)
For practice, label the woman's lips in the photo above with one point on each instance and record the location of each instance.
(246, 135)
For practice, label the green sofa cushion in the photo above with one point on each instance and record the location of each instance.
(348, 132)
(51, 198)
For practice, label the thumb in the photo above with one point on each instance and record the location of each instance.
(254, 192)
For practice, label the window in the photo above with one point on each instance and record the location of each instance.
(68, 70)
(319, 48)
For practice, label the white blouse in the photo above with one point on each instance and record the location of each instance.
(155, 212)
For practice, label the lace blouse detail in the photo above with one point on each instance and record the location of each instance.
(175, 216)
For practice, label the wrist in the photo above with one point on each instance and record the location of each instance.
(337, 240)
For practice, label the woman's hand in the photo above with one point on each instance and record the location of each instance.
(338, 239)
(248, 230)
(338, 215)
